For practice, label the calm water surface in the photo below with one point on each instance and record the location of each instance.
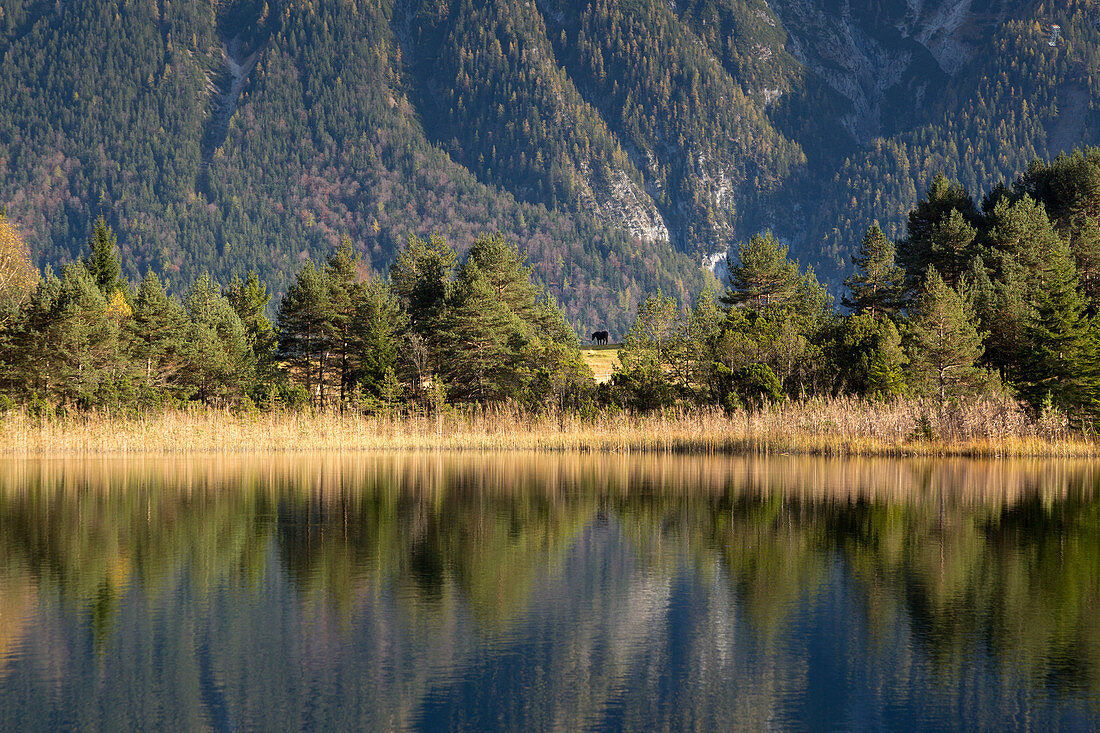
(515, 592)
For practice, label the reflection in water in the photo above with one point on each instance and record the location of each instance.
(512, 591)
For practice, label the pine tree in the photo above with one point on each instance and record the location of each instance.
(34, 367)
(939, 232)
(341, 276)
(656, 335)
(945, 343)
(492, 317)
(656, 325)
(158, 333)
(1062, 357)
(878, 283)
(998, 308)
(220, 365)
(84, 342)
(421, 276)
(379, 330)
(102, 260)
(953, 246)
(479, 340)
(249, 299)
(508, 274)
(305, 330)
(550, 324)
(761, 275)
(692, 353)
(886, 369)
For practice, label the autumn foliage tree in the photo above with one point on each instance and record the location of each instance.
(18, 275)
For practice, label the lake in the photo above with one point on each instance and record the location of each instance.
(531, 592)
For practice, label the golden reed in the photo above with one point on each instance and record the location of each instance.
(817, 426)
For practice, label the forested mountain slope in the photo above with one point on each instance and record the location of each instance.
(619, 141)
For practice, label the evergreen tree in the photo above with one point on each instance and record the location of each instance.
(869, 356)
(953, 246)
(421, 276)
(1062, 357)
(640, 381)
(341, 276)
(84, 341)
(550, 324)
(495, 323)
(379, 330)
(220, 365)
(944, 341)
(35, 366)
(761, 275)
(305, 330)
(999, 307)
(940, 233)
(878, 283)
(1069, 189)
(886, 370)
(656, 325)
(554, 374)
(692, 353)
(159, 336)
(479, 340)
(1022, 231)
(508, 274)
(102, 260)
(249, 299)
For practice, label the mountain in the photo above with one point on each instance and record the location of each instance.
(622, 142)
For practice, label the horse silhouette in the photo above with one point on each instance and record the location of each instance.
(600, 338)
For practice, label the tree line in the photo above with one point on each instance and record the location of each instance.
(435, 330)
(996, 298)
(993, 298)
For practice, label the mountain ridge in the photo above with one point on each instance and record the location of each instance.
(621, 142)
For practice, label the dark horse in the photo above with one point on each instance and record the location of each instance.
(600, 338)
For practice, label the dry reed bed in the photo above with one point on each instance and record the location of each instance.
(840, 426)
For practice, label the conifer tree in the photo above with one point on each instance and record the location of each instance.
(868, 355)
(656, 325)
(249, 299)
(641, 381)
(885, 372)
(84, 341)
(34, 364)
(550, 323)
(878, 283)
(692, 353)
(219, 366)
(102, 260)
(953, 246)
(999, 308)
(495, 323)
(479, 340)
(421, 276)
(379, 329)
(305, 330)
(945, 343)
(508, 274)
(159, 333)
(939, 232)
(1061, 361)
(341, 276)
(762, 275)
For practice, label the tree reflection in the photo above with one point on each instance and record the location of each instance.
(972, 560)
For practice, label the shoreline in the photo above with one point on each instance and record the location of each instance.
(821, 427)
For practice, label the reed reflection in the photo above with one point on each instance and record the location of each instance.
(601, 583)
